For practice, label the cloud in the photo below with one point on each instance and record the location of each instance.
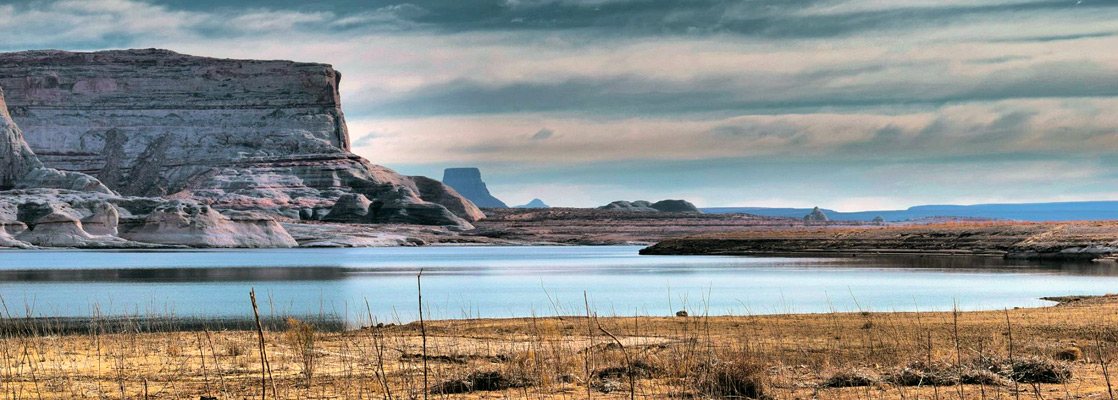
(365, 140)
(1079, 127)
(393, 17)
(543, 134)
(271, 20)
(660, 83)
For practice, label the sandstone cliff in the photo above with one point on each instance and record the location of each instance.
(267, 136)
(45, 207)
(16, 158)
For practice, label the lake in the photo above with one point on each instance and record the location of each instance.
(463, 282)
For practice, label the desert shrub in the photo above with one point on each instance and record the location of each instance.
(976, 376)
(1039, 370)
(301, 337)
(736, 376)
(234, 349)
(1070, 354)
(921, 373)
(484, 381)
(641, 369)
(851, 378)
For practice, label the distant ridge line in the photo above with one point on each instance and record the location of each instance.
(1037, 212)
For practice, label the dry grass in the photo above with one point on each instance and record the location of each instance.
(824, 356)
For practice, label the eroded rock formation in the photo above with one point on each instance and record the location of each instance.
(683, 206)
(468, 183)
(266, 136)
(16, 158)
(816, 215)
(50, 208)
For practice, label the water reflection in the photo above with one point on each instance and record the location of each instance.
(520, 281)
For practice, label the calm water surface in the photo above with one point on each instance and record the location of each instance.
(517, 281)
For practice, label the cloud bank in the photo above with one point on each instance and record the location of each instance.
(822, 101)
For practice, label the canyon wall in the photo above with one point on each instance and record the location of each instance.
(253, 135)
(46, 207)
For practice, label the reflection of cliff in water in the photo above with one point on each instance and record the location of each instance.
(177, 274)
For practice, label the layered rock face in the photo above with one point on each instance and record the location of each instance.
(468, 183)
(266, 136)
(16, 158)
(50, 208)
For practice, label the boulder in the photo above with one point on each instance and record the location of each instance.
(58, 224)
(352, 208)
(399, 206)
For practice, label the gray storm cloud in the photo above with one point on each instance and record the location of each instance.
(645, 84)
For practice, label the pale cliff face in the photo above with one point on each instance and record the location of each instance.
(16, 158)
(93, 112)
(236, 134)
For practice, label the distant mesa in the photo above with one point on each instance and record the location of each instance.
(535, 203)
(816, 215)
(1036, 212)
(677, 206)
(467, 182)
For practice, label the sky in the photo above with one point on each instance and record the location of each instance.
(848, 105)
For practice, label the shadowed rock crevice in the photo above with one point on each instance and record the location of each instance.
(113, 152)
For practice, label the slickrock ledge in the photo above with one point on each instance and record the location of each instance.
(266, 136)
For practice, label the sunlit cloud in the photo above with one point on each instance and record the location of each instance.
(922, 88)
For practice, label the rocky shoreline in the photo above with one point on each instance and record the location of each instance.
(1078, 241)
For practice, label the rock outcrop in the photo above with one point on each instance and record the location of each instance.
(16, 158)
(675, 206)
(66, 218)
(535, 203)
(51, 208)
(636, 206)
(683, 206)
(194, 225)
(468, 183)
(266, 136)
(816, 215)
